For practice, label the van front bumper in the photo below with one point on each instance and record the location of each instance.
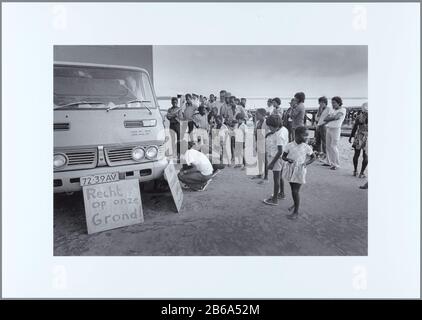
(69, 181)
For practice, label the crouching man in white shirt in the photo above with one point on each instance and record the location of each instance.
(201, 170)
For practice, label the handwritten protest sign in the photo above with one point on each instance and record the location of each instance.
(112, 205)
(174, 184)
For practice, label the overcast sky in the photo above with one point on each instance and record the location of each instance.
(262, 71)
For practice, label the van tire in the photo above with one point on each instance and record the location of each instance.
(155, 186)
(147, 186)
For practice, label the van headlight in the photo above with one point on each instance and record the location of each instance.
(138, 154)
(59, 161)
(152, 152)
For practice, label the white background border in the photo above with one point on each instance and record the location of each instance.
(390, 30)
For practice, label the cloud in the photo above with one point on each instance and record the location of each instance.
(261, 70)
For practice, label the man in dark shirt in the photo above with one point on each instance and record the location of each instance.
(174, 116)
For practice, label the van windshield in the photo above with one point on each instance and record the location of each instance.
(96, 88)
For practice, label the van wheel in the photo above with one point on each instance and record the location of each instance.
(161, 185)
(155, 186)
(147, 186)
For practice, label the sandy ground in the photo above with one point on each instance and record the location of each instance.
(229, 218)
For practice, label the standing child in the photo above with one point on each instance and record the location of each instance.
(261, 129)
(297, 155)
(239, 133)
(223, 141)
(275, 141)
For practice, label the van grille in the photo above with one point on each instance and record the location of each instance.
(81, 158)
(61, 126)
(118, 155)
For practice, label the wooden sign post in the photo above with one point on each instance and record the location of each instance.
(174, 184)
(112, 205)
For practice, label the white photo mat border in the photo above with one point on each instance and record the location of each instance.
(391, 31)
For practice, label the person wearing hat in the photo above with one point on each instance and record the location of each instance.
(360, 141)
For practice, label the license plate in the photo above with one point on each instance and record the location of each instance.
(99, 178)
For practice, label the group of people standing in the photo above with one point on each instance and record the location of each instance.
(285, 151)
(203, 115)
(328, 132)
(200, 112)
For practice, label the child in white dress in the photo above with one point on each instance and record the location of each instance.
(275, 141)
(296, 155)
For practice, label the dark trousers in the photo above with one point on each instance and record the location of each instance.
(175, 126)
(320, 133)
(193, 179)
(291, 133)
(191, 125)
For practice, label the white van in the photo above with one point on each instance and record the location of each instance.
(107, 126)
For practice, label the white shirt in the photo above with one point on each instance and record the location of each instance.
(195, 102)
(298, 152)
(240, 133)
(276, 139)
(199, 160)
(336, 123)
(218, 104)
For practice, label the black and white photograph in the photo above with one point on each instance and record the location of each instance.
(211, 150)
(182, 151)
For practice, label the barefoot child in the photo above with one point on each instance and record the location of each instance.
(275, 141)
(297, 155)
